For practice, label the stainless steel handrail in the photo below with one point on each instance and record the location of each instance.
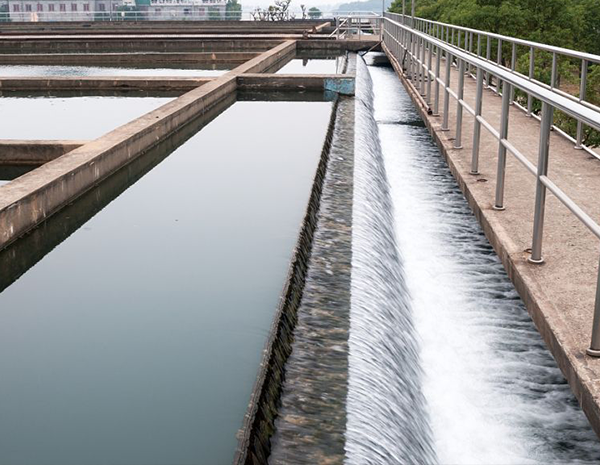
(405, 42)
(464, 38)
(527, 43)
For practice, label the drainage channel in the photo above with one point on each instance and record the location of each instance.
(492, 392)
(132, 332)
(421, 351)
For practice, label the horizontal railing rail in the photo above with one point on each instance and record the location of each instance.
(503, 50)
(415, 51)
(164, 12)
(358, 25)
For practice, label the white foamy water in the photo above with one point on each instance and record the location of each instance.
(493, 393)
(386, 418)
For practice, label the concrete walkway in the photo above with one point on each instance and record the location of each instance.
(560, 293)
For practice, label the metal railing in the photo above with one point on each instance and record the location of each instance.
(504, 51)
(152, 14)
(358, 25)
(163, 12)
(421, 54)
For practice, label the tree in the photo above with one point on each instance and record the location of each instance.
(571, 24)
(279, 11)
(4, 14)
(314, 13)
(214, 14)
(233, 10)
(128, 13)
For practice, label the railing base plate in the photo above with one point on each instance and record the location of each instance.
(592, 352)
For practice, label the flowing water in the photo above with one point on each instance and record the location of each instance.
(387, 418)
(445, 363)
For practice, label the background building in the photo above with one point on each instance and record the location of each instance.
(187, 9)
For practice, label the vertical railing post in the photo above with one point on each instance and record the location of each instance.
(470, 50)
(423, 70)
(582, 92)
(554, 72)
(513, 66)
(459, 104)
(531, 71)
(447, 92)
(499, 63)
(429, 58)
(488, 56)
(499, 201)
(412, 55)
(540, 190)
(477, 124)
(436, 98)
(594, 349)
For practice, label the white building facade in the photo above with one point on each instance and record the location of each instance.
(63, 10)
(186, 9)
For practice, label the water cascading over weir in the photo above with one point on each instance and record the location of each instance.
(387, 418)
(356, 388)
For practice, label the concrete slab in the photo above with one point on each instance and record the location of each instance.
(146, 27)
(338, 83)
(168, 59)
(342, 84)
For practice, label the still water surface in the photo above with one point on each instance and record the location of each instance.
(80, 71)
(137, 340)
(311, 66)
(70, 117)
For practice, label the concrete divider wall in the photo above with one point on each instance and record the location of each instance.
(35, 152)
(259, 422)
(152, 27)
(19, 257)
(192, 60)
(132, 44)
(100, 84)
(258, 426)
(30, 199)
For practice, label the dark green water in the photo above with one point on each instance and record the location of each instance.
(137, 340)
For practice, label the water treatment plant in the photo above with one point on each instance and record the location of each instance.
(364, 240)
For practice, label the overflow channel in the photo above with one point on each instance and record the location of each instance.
(492, 392)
